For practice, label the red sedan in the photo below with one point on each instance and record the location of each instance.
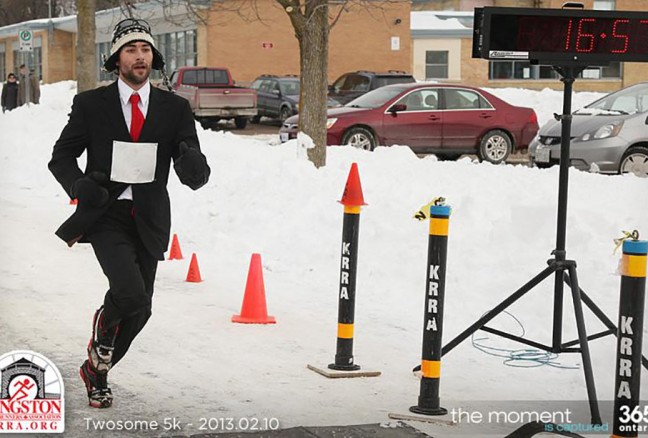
(446, 120)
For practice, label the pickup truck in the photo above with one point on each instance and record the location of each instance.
(213, 95)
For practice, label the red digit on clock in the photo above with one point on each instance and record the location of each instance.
(581, 35)
(569, 30)
(643, 39)
(622, 36)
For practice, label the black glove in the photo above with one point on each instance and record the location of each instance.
(89, 191)
(191, 167)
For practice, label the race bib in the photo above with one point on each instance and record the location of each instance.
(133, 163)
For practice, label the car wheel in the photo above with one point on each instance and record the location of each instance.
(240, 122)
(635, 160)
(361, 138)
(495, 147)
(255, 119)
(284, 113)
(206, 123)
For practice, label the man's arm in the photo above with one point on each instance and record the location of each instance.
(4, 97)
(70, 145)
(189, 163)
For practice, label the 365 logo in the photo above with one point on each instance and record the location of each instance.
(31, 394)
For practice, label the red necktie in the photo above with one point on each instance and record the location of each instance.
(137, 118)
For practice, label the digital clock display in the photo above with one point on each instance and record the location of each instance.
(563, 34)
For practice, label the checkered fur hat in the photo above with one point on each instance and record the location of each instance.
(128, 31)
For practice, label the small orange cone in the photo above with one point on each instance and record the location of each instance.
(193, 276)
(74, 201)
(253, 310)
(352, 195)
(175, 253)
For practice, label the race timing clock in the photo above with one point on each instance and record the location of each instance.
(560, 36)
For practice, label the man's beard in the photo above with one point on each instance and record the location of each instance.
(135, 79)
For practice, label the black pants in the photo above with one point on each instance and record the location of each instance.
(130, 270)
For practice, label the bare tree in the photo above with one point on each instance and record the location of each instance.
(310, 20)
(86, 49)
(16, 11)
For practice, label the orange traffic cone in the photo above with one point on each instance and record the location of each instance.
(74, 201)
(254, 309)
(352, 195)
(193, 276)
(175, 253)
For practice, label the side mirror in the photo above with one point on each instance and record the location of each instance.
(397, 108)
(276, 92)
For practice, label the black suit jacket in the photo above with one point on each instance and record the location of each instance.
(95, 122)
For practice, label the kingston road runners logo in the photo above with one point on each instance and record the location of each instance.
(31, 394)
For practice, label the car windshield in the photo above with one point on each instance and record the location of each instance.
(631, 100)
(381, 81)
(376, 98)
(352, 82)
(289, 87)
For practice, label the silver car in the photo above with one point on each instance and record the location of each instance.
(609, 135)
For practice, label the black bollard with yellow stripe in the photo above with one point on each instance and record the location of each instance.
(353, 200)
(629, 416)
(428, 401)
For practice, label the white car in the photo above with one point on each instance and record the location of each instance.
(609, 135)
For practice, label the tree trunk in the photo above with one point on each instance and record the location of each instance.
(86, 49)
(313, 47)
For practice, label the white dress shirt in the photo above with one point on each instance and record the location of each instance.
(125, 93)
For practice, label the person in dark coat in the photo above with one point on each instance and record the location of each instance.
(130, 132)
(10, 93)
(28, 87)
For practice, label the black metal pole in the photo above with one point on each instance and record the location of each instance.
(353, 200)
(584, 346)
(567, 77)
(628, 414)
(346, 304)
(428, 401)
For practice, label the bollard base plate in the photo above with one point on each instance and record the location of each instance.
(337, 374)
(428, 411)
(409, 417)
(352, 367)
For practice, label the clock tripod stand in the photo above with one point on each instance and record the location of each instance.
(564, 271)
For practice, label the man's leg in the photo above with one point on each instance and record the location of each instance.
(130, 326)
(130, 271)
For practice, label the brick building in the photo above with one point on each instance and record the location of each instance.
(430, 38)
(442, 49)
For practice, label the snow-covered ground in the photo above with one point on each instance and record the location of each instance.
(192, 363)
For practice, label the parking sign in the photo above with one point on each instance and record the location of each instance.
(25, 37)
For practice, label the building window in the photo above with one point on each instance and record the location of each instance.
(524, 70)
(611, 71)
(33, 60)
(605, 5)
(3, 69)
(436, 64)
(178, 50)
(103, 51)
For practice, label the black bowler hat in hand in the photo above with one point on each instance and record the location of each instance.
(128, 31)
